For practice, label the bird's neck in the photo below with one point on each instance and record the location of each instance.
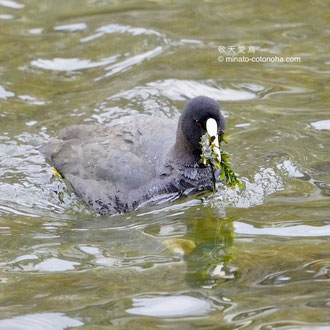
(183, 154)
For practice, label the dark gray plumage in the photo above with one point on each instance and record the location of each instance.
(116, 169)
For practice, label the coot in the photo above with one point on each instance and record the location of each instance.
(117, 169)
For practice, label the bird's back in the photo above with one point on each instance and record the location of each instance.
(115, 168)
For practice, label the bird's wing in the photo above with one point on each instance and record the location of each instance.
(104, 169)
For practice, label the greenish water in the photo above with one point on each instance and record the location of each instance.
(256, 258)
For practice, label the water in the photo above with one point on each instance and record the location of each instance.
(255, 258)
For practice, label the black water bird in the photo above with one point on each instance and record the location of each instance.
(117, 169)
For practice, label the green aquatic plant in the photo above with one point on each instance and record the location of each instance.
(218, 160)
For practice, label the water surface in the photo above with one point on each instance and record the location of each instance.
(255, 258)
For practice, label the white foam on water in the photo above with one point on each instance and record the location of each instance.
(290, 169)
(265, 182)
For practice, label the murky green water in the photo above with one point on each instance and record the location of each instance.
(258, 258)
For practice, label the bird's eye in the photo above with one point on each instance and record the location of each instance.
(197, 123)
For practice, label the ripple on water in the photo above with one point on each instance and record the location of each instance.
(288, 231)
(55, 265)
(6, 17)
(32, 263)
(314, 272)
(35, 31)
(245, 318)
(31, 100)
(321, 125)
(117, 28)
(173, 306)
(5, 94)
(28, 187)
(131, 61)
(155, 97)
(181, 90)
(11, 4)
(70, 64)
(40, 321)
(293, 325)
(71, 27)
(74, 64)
